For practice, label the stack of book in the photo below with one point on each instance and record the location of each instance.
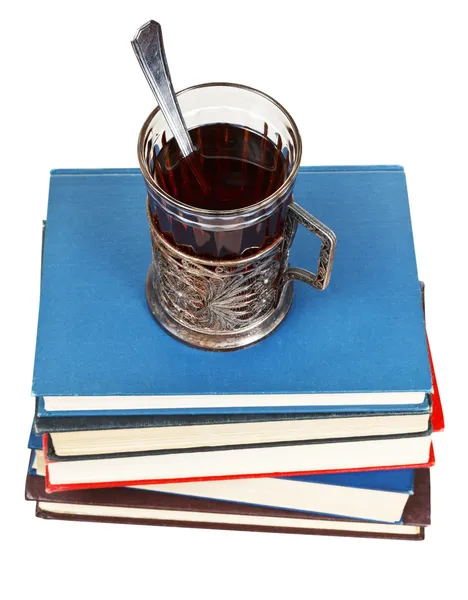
(325, 427)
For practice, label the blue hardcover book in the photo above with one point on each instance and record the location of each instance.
(32, 470)
(360, 343)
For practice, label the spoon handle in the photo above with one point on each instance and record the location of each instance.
(149, 49)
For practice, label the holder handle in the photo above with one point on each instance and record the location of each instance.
(299, 216)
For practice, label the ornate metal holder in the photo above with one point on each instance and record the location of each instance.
(220, 279)
(228, 304)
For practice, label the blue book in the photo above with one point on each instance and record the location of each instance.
(360, 343)
(372, 495)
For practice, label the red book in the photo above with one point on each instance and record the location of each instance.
(380, 455)
(437, 415)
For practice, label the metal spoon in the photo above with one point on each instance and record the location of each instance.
(149, 49)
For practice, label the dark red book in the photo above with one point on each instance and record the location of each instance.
(135, 506)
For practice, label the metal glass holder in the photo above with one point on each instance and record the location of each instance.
(229, 304)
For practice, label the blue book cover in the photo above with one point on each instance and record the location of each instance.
(31, 468)
(390, 480)
(35, 440)
(363, 335)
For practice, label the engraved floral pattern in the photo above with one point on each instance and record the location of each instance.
(216, 298)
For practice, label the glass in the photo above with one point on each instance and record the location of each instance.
(231, 233)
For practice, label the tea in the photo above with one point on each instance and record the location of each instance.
(233, 167)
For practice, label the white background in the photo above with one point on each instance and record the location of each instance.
(368, 83)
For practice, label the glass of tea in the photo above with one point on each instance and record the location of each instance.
(223, 208)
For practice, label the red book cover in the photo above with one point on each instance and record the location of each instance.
(437, 416)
